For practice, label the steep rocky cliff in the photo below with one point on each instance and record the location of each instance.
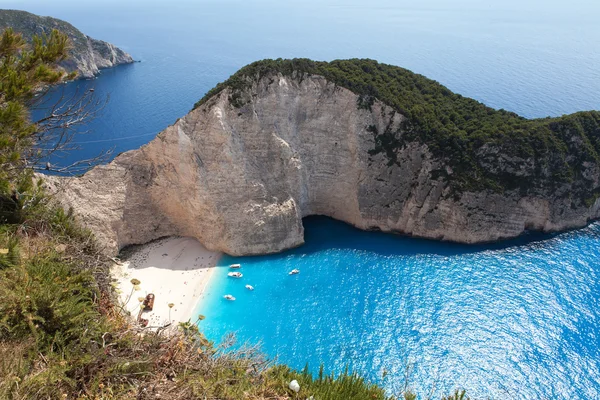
(88, 55)
(266, 149)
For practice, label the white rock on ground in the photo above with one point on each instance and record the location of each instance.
(294, 386)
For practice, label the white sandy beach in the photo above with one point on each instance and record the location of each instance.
(175, 270)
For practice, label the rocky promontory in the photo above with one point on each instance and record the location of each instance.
(366, 143)
(88, 55)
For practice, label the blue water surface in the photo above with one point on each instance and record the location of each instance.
(512, 320)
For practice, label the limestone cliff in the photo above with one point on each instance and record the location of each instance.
(88, 55)
(240, 177)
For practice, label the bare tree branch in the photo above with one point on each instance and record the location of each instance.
(57, 129)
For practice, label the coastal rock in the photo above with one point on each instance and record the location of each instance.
(88, 55)
(240, 179)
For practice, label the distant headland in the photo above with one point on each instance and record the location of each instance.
(88, 55)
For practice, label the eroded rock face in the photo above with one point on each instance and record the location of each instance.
(98, 55)
(240, 180)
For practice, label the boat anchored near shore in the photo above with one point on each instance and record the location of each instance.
(250, 287)
(235, 266)
(294, 272)
(229, 297)
(235, 274)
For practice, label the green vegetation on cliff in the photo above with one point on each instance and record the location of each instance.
(86, 55)
(24, 71)
(30, 25)
(483, 146)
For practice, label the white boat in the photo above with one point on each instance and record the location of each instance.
(249, 287)
(229, 297)
(294, 272)
(235, 266)
(235, 274)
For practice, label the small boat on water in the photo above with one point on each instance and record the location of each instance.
(235, 266)
(249, 287)
(229, 297)
(294, 272)
(235, 274)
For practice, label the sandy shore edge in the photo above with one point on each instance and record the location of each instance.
(176, 270)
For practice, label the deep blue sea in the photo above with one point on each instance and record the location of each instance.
(519, 319)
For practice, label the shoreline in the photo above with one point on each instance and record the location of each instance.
(202, 294)
(177, 270)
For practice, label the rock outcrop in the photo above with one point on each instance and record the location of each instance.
(240, 179)
(88, 55)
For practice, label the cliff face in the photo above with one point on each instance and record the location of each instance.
(88, 55)
(240, 179)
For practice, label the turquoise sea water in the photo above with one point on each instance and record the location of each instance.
(513, 320)
(518, 318)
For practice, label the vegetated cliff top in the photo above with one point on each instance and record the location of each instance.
(466, 133)
(85, 50)
(29, 24)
